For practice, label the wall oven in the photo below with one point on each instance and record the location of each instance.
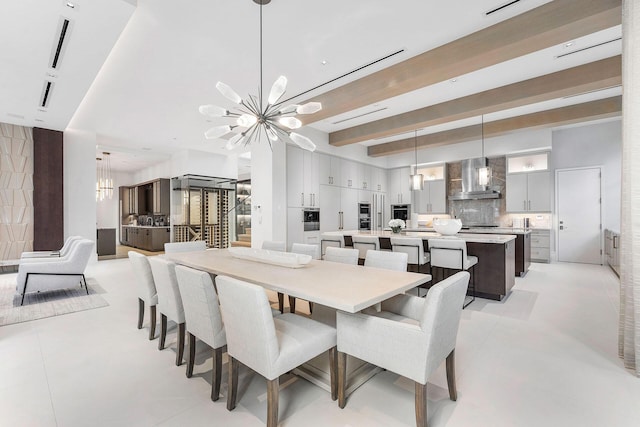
(364, 216)
(400, 212)
(311, 219)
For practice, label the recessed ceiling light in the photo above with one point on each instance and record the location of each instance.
(569, 44)
(453, 80)
(71, 5)
(324, 62)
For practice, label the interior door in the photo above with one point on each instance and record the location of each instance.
(579, 210)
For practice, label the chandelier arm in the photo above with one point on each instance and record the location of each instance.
(261, 83)
(251, 131)
(256, 108)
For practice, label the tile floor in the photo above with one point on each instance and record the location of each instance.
(546, 356)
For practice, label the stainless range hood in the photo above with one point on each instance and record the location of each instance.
(471, 188)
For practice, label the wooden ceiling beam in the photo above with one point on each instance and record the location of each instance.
(584, 78)
(593, 110)
(548, 25)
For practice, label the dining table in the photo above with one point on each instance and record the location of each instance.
(345, 287)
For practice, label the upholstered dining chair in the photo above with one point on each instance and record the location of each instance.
(169, 302)
(383, 259)
(202, 314)
(410, 336)
(196, 245)
(271, 346)
(365, 243)
(414, 248)
(451, 254)
(271, 245)
(314, 252)
(146, 289)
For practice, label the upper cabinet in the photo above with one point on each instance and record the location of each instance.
(528, 184)
(399, 188)
(329, 170)
(349, 174)
(302, 178)
(378, 180)
(432, 199)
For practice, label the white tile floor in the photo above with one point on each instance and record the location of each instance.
(546, 356)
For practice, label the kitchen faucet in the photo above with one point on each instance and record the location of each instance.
(149, 220)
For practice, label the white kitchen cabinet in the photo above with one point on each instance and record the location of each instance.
(399, 190)
(338, 209)
(302, 178)
(349, 174)
(312, 237)
(529, 192)
(295, 226)
(364, 177)
(378, 180)
(432, 199)
(329, 168)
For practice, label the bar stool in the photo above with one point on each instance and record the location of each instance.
(451, 254)
(364, 244)
(384, 244)
(414, 248)
(314, 252)
(327, 240)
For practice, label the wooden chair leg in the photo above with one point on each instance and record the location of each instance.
(140, 312)
(180, 349)
(273, 387)
(421, 405)
(232, 384)
(292, 304)
(342, 379)
(451, 375)
(216, 375)
(192, 354)
(281, 302)
(163, 331)
(310, 307)
(152, 328)
(333, 369)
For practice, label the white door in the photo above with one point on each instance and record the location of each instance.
(579, 223)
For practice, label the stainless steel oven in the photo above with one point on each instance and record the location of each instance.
(364, 216)
(400, 212)
(311, 219)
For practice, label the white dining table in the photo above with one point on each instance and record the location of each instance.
(345, 287)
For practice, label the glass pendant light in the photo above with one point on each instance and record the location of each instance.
(484, 173)
(417, 179)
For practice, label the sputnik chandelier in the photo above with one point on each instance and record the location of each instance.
(253, 117)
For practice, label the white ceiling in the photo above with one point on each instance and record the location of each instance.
(166, 60)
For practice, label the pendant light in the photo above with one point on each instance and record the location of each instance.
(484, 173)
(417, 179)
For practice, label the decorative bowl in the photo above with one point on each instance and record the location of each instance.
(447, 227)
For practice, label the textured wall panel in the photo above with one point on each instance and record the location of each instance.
(16, 191)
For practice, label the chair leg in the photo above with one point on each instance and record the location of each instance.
(216, 375)
(85, 284)
(192, 354)
(310, 307)
(152, 328)
(342, 379)
(333, 369)
(292, 304)
(421, 405)
(163, 331)
(180, 352)
(232, 382)
(140, 312)
(273, 387)
(281, 302)
(451, 375)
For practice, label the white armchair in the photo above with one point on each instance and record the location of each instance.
(64, 251)
(44, 274)
(411, 336)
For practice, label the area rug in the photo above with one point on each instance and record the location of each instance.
(38, 305)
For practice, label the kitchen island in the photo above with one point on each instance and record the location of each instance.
(495, 271)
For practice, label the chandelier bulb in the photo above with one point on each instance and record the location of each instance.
(234, 141)
(213, 111)
(228, 93)
(290, 122)
(277, 90)
(302, 141)
(246, 120)
(217, 132)
(309, 108)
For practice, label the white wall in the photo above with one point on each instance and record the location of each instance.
(354, 152)
(108, 210)
(597, 144)
(80, 184)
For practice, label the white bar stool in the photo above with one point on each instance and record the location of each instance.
(451, 254)
(365, 243)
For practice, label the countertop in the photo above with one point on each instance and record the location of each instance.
(479, 230)
(496, 238)
(146, 226)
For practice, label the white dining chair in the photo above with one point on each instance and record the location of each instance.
(383, 259)
(169, 302)
(451, 254)
(365, 243)
(314, 252)
(322, 313)
(202, 315)
(146, 289)
(330, 240)
(414, 248)
(410, 336)
(271, 245)
(271, 346)
(175, 247)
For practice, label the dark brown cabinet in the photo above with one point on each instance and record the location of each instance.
(147, 238)
(495, 271)
(523, 253)
(153, 197)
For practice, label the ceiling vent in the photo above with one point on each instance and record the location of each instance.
(502, 7)
(359, 115)
(589, 47)
(60, 42)
(46, 94)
